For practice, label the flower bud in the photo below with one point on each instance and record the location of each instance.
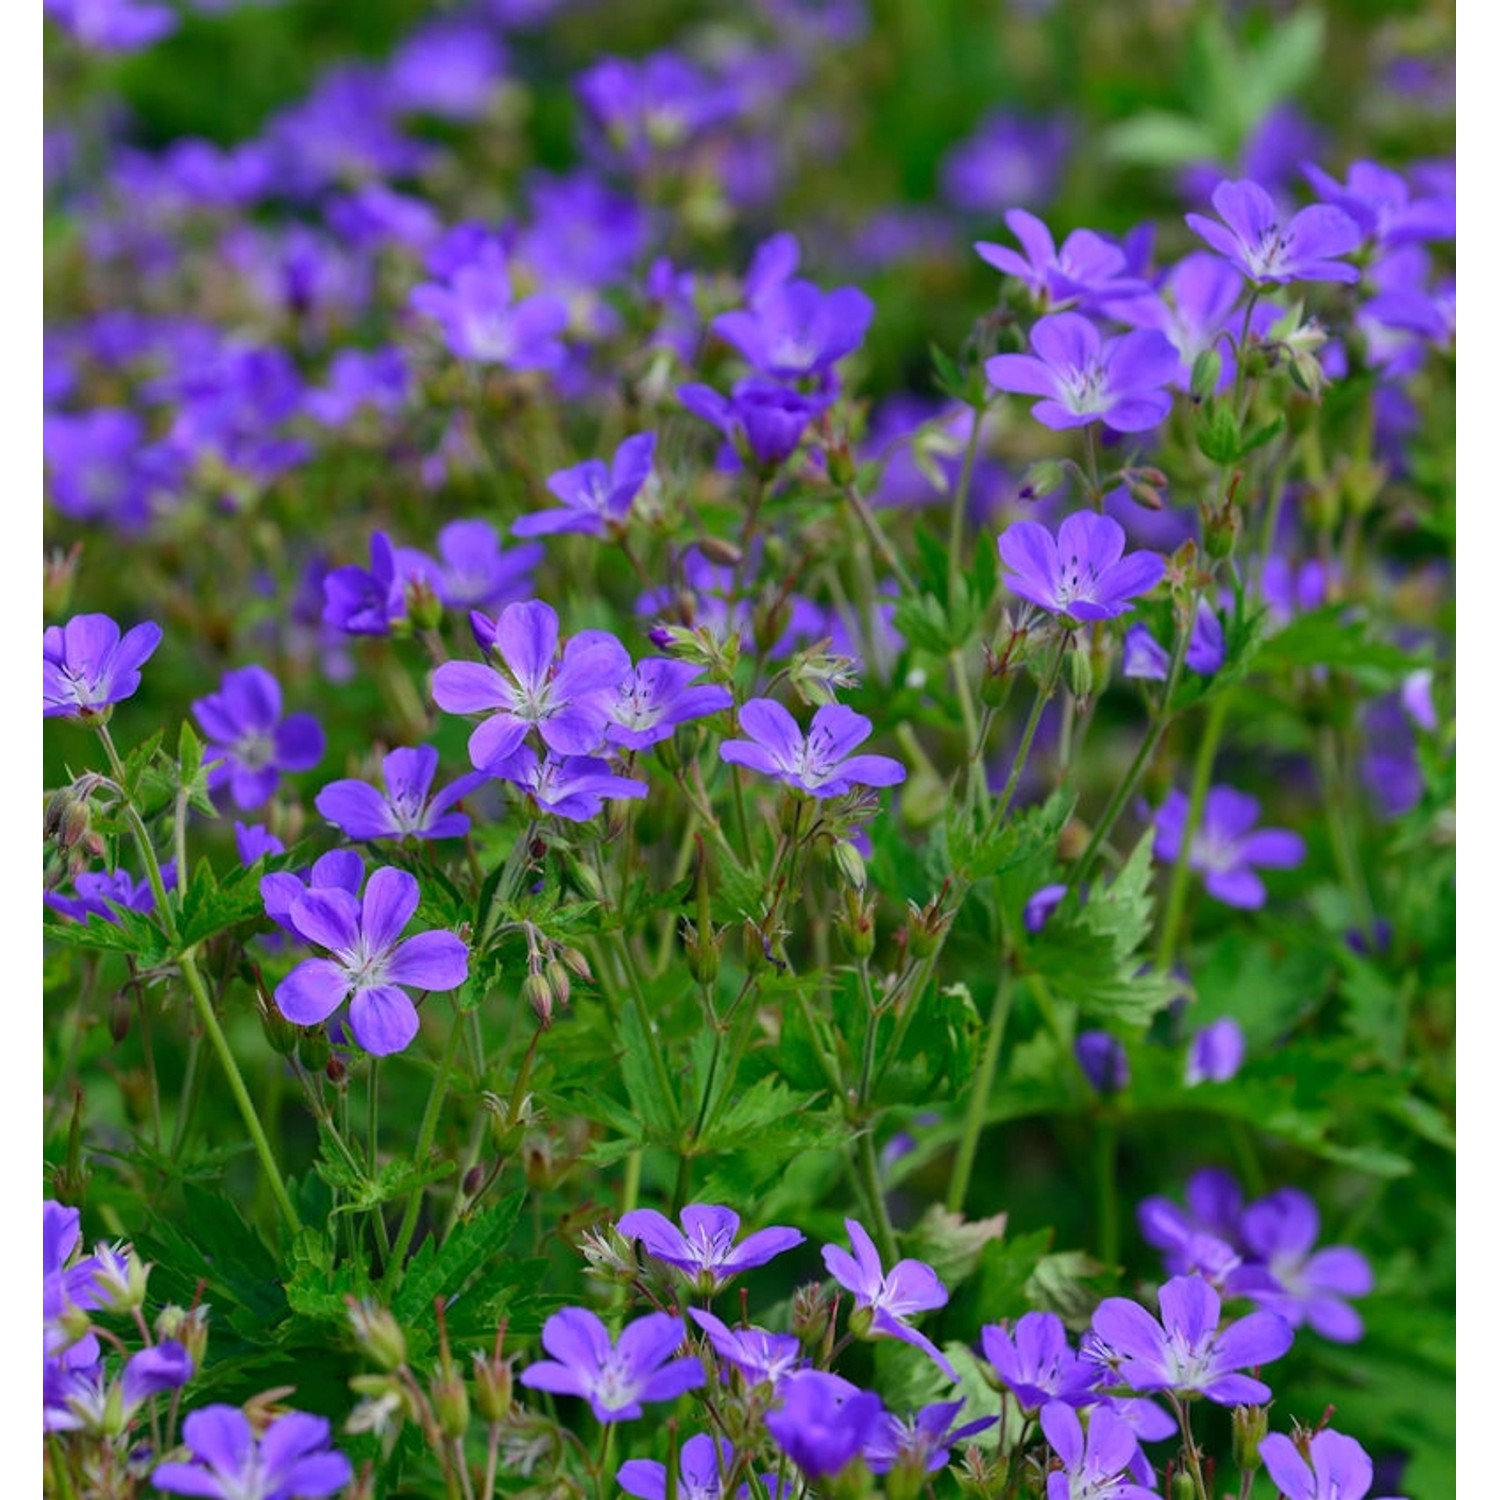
(702, 950)
(1221, 530)
(577, 964)
(283, 1037)
(186, 1326)
(1208, 370)
(377, 1333)
(58, 574)
(120, 1277)
(450, 1402)
(722, 553)
(423, 606)
(556, 975)
(841, 467)
(537, 993)
(1080, 673)
(119, 1016)
(855, 922)
(811, 1313)
(493, 1386)
(769, 620)
(473, 1179)
(850, 862)
(1181, 1486)
(1041, 479)
(336, 1071)
(1249, 1424)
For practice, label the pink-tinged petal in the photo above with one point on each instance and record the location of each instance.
(1066, 341)
(771, 726)
(469, 687)
(1256, 1339)
(526, 639)
(1021, 375)
(356, 808)
(864, 1251)
(1287, 1468)
(1275, 848)
(1242, 889)
(390, 902)
(1088, 538)
(312, 991)
(329, 918)
(383, 1019)
(1064, 1432)
(299, 743)
(429, 961)
(1189, 1305)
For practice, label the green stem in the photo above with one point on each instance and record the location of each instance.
(1044, 692)
(879, 539)
(426, 1133)
(1107, 1189)
(1341, 831)
(960, 510)
(1202, 773)
(868, 1173)
(1189, 1447)
(979, 1097)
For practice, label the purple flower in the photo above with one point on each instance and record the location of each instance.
(472, 570)
(405, 809)
(762, 420)
(1216, 1053)
(1326, 1466)
(112, 25)
(759, 1356)
(566, 701)
(701, 1462)
(357, 378)
(656, 696)
(1009, 159)
(796, 329)
(1103, 1061)
(253, 843)
(1037, 1363)
(651, 105)
(340, 869)
(1088, 271)
(594, 498)
(100, 466)
(614, 1378)
(1269, 252)
(574, 787)
(104, 893)
(482, 321)
(920, 1441)
(249, 739)
(1186, 1351)
(87, 1400)
(66, 1286)
(1083, 573)
(1094, 1467)
(368, 962)
(87, 665)
(1307, 1286)
(1206, 1237)
(820, 763)
(366, 602)
(888, 1300)
(447, 69)
(1192, 310)
(1085, 379)
(1144, 658)
(291, 1460)
(1226, 846)
(823, 1422)
(704, 1249)
(1380, 203)
(1040, 905)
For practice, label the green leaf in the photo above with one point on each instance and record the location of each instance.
(1006, 1267)
(1158, 138)
(658, 1115)
(1338, 636)
(445, 1272)
(207, 908)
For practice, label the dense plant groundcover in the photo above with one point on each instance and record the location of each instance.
(749, 738)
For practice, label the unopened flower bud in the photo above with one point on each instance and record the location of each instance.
(187, 1326)
(474, 1178)
(377, 1333)
(423, 606)
(722, 553)
(811, 1312)
(1182, 1486)
(450, 1402)
(577, 964)
(702, 950)
(1221, 529)
(537, 993)
(493, 1386)
(119, 1016)
(279, 1032)
(1208, 370)
(769, 620)
(1080, 673)
(1042, 479)
(855, 922)
(841, 468)
(1249, 1425)
(336, 1071)
(58, 574)
(851, 863)
(556, 975)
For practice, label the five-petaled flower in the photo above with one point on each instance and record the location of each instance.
(291, 1458)
(704, 1249)
(1326, 1466)
(87, 665)
(1226, 844)
(248, 738)
(887, 1300)
(595, 496)
(614, 1378)
(1083, 573)
(368, 962)
(819, 763)
(1269, 251)
(1093, 1467)
(406, 808)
